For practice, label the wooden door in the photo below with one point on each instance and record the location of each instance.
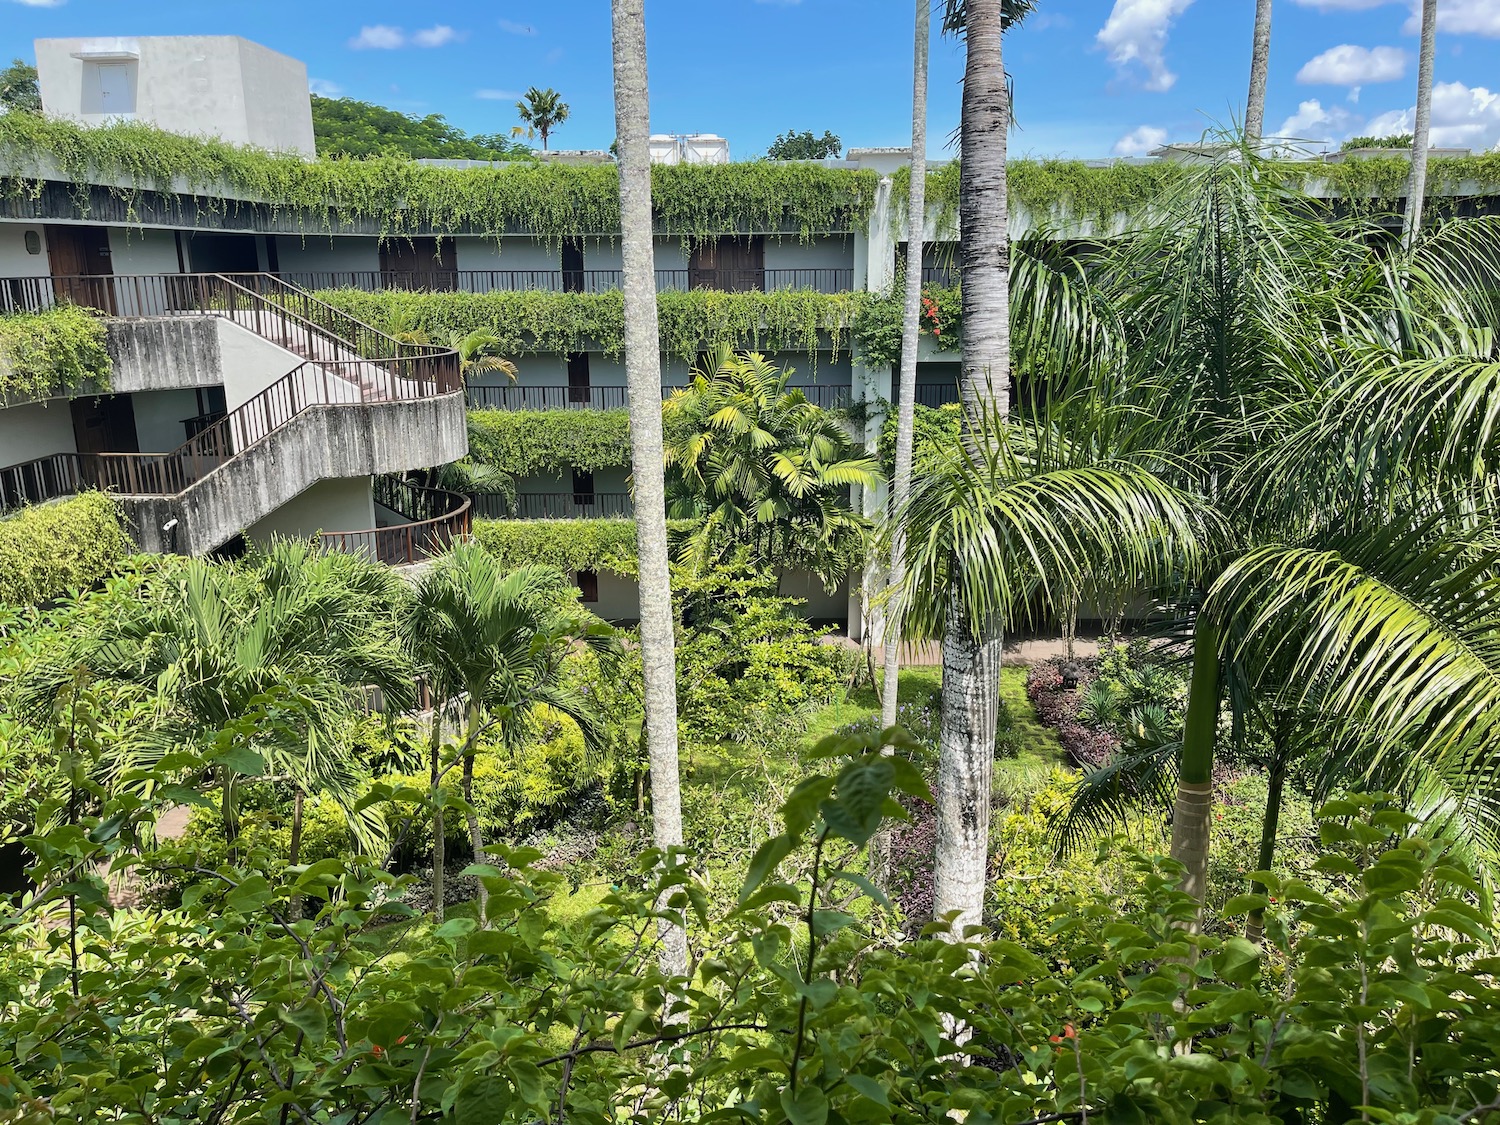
(105, 424)
(572, 265)
(580, 392)
(733, 264)
(417, 263)
(76, 256)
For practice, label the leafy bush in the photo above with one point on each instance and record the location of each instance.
(527, 442)
(878, 323)
(567, 545)
(538, 322)
(51, 352)
(49, 549)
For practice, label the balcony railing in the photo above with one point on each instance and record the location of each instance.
(556, 506)
(941, 275)
(437, 519)
(823, 280)
(512, 397)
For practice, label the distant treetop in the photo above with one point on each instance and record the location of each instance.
(346, 127)
(1395, 140)
(792, 145)
(18, 88)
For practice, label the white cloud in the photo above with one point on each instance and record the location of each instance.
(41, 3)
(379, 37)
(1140, 141)
(1136, 32)
(434, 36)
(1314, 121)
(511, 27)
(497, 95)
(1347, 65)
(324, 88)
(1462, 117)
(1460, 17)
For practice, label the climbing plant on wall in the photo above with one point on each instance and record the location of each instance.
(568, 545)
(52, 351)
(877, 326)
(537, 322)
(402, 197)
(528, 442)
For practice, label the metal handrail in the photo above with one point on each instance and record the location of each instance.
(400, 544)
(556, 506)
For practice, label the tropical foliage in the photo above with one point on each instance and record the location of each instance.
(549, 442)
(349, 127)
(805, 145)
(52, 549)
(541, 111)
(18, 88)
(567, 545)
(52, 352)
(752, 463)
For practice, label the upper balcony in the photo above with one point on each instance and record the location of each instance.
(821, 280)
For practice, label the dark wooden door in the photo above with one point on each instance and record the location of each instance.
(572, 265)
(105, 424)
(77, 255)
(580, 392)
(417, 263)
(733, 264)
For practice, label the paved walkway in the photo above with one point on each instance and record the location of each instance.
(1020, 651)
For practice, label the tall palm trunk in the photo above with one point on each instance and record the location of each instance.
(1416, 190)
(907, 393)
(1255, 924)
(439, 840)
(971, 661)
(643, 370)
(476, 837)
(1260, 62)
(1193, 811)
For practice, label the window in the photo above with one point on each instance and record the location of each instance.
(579, 391)
(109, 87)
(583, 488)
(588, 585)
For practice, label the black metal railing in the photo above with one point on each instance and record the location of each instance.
(436, 520)
(821, 279)
(556, 506)
(508, 396)
(940, 275)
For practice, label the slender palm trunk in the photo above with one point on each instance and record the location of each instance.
(476, 837)
(1260, 63)
(294, 848)
(905, 397)
(1255, 924)
(1416, 190)
(971, 661)
(439, 844)
(1193, 811)
(643, 370)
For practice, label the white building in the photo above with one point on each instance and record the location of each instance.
(199, 85)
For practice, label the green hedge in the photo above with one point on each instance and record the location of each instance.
(544, 323)
(47, 550)
(56, 350)
(527, 442)
(403, 197)
(568, 545)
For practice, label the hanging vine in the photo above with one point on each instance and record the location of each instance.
(53, 351)
(402, 197)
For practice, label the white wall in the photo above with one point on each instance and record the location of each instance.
(134, 251)
(512, 253)
(198, 85)
(250, 363)
(619, 598)
(319, 253)
(35, 430)
(835, 252)
(159, 416)
(328, 505)
(14, 260)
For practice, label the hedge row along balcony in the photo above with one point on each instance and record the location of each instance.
(820, 280)
(511, 396)
(393, 196)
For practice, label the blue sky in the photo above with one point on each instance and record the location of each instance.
(1093, 77)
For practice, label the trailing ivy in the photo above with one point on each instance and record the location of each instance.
(44, 353)
(528, 442)
(568, 545)
(47, 550)
(537, 322)
(1056, 190)
(877, 327)
(402, 197)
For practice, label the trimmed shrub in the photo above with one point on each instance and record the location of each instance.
(55, 350)
(47, 550)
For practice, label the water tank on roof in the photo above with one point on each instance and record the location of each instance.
(691, 148)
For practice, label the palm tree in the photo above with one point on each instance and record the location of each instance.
(301, 634)
(479, 353)
(755, 464)
(643, 371)
(1260, 63)
(493, 645)
(1416, 190)
(542, 110)
(971, 657)
(911, 324)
